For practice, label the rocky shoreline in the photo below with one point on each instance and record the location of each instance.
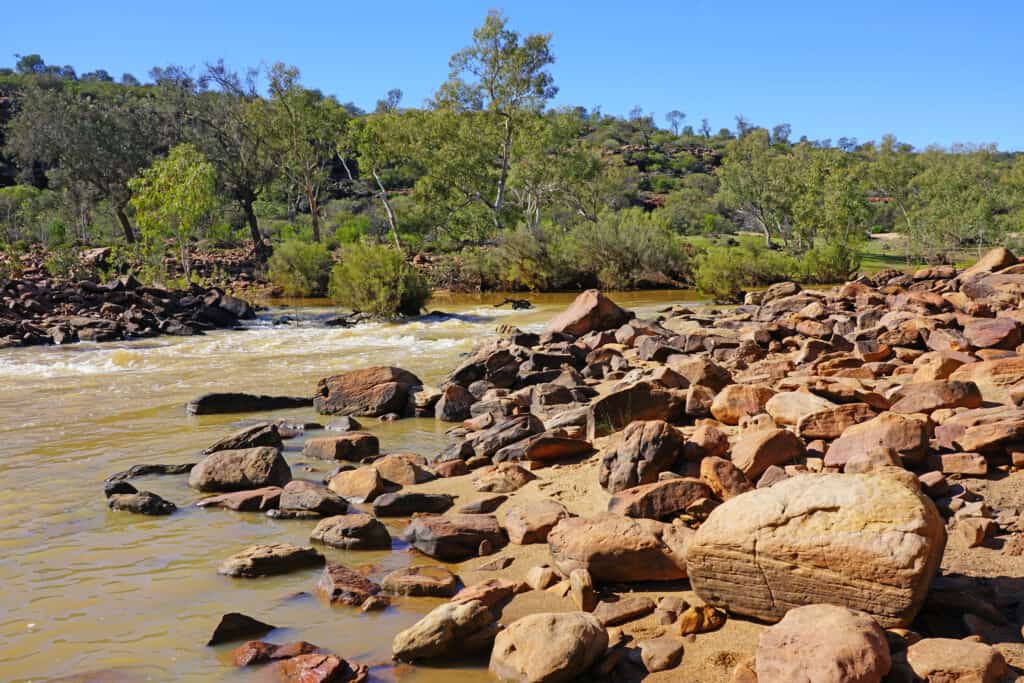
(47, 311)
(814, 486)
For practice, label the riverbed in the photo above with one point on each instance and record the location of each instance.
(135, 598)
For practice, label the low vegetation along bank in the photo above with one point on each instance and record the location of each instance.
(814, 483)
(491, 185)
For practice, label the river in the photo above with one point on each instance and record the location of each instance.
(135, 598)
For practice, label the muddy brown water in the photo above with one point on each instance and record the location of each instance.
(84, 589)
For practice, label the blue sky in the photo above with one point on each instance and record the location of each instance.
(930, 72)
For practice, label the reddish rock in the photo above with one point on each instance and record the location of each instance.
(357, 531)
(993, 333)
(755, 452)
(639, 454)
(318, 668)
(723, 477)
(740, 400)
(970, 464)
(361, 485)
(707, 441)
(421, 581)
(907, 435)
(504, 477)
(253, 500)
(639, 401)
(455, 538)
(531, 522)
(613, 613)
(925, 397)
(660, 500)
(591, 311)
(404, 469)
(963, 661)
(371, 392)
(339, 584)
(353, 446)
(257, 652)
(994, 378)
(305, 495)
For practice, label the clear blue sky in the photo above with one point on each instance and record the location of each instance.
(929, 71)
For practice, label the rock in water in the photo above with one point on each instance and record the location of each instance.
(591, 311)
(262, 434)
(251, 468)
(548, 648)
(455, 538)
(823, 644)
(265, 560)
(141, 503)
(220, 403)
(236, 626)
(863, 541)
(453, 629)
(369, 392)
(357, 531)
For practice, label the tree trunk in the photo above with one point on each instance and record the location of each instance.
(314, 212)
(392, 221)
(506, 154)
(126, 226)
(259, 247)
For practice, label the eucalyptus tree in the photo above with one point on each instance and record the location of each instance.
(503, 75)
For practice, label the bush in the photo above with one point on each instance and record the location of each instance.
(300, 268)
(376, 279)
(724, 273)
(627, 248)
(830, 263)
(532, 259)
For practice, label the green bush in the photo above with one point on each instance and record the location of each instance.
(627, 248)
(376, 279)
(724, 273)
(300, 268)
(533, 259)
(830, 263)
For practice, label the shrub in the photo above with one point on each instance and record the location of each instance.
(376, 279)
(830, 263)
(531, 258)
(626, 248)
(723, 273)
(300, 268)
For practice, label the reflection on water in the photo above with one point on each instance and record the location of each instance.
(86, 589)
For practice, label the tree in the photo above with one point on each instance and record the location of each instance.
(505, 75)
(390, 101)
(743, 125)
(28, 65)
(705, 129)
(129, 80)
(175, 198)
(304, 128)
(781, 133)
(101, 138)
(756, 183)
(675, 119)
(890, 174)
(226, 124)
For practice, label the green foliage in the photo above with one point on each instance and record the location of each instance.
(175, 200)
(626, 248)
(300, 268)
(724, 273)
(376, 279)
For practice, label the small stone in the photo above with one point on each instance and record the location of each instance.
(701, 619)
(541, 577)
(659, 654)
(235, 626)
(623, 610)
(421, 581)
(581, 589)
(265, 560)
(339, 584)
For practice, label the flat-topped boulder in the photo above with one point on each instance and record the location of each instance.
(351, 446)
(251, 468)
(615, 548)
(253, 436)
(907, 435)
(863, 541)
(455, 538)
(408, 503)
(421, 581)
(266, 560)
(235, 402)
(661, 499)
(532, 522)
(308, 496)
(369, 392)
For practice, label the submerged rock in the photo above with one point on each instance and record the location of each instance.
(142, 503)
(266, 560)
(236, 626)
(234, 402)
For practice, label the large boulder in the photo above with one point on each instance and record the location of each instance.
(788, 407)
(371, 392)
(548, 648)
(615, 548)
(234, 402)
(639, 454)
(455, 538)
(532, 522)
(661, 499)
(306, 496)
(431, 581)
(740, 400)
(341, 585)
(756, 451)
(591, 311)
(823, 644)
(948, 660)
(993, 377)
(357, 531)
(251, 468)
(643, 400)
(453, 629)
(352, 446)
(830, 423)
(361, 485)
(924, 397)
(408, 503)
(907, 435)
(864, 541)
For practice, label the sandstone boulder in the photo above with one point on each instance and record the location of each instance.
(251, 468)
(862, 541)
(372, 392)
(924, 397)
(660, 500)
(906, 435)
(591, 311)
(341, 585)
(453, 629)
(357, 531)
(638, 455)
(643, 400)
(548, 648)
(740, 400)
(993, 377)
(455, 538)
(305, 495)
(754, 452)
(421, 581)
(530, 522)
(616, 548)
(723, 478)
(265, 560)
(505, 477)
(823, 644)
(788, 407)
(262, 434)
(353, 446)
(408, 503)
(361, 485)
(948, 660)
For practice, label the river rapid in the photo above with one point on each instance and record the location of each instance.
(130, 597)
